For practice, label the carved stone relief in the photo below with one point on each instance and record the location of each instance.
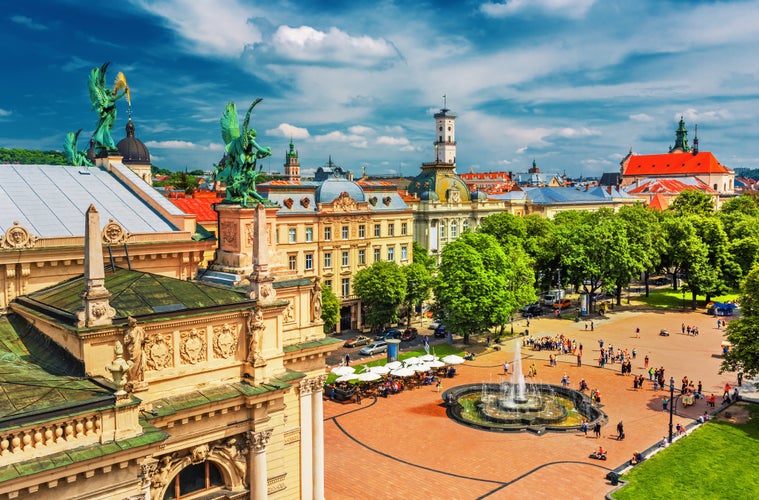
(192, 347)
(159, 351)
(17, 237)
(113, 233)
(225, 340)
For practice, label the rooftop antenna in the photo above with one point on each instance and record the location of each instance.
(445, 102)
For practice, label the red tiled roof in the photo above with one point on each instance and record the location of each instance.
(669, 186)
(493, 176)
(202, 208)
(658, 202)
(674, 164)
(407, 197)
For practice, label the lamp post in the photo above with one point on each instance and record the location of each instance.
(671, 404)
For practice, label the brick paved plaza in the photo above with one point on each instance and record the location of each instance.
(405, 446)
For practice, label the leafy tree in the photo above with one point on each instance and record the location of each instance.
(330, 309)
(644, 236)
(382, 288)
(508, 229)
(685, 251)
(692, 202)
(419, 285)
(742, 332)
(32, 156)
(472, 289)
(540, 245)
(419, 255)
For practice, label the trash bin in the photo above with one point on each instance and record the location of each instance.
(613, 477)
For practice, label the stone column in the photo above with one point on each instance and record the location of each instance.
(318, 436)
(259, 489)
(306, 437)
(148, 467)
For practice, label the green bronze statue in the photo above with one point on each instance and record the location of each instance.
(238, 167)
(76, 158)
(104, 102)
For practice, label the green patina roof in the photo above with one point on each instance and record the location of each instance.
(38, 379)
(293, 282)
(311, 344)
(172, 404)
(149, 435)
(137, 293)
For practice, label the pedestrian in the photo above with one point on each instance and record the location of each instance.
(347, 360)
(683, 328)
(592, 326)
(528, 322)
(439, 385)
(579, 360)
(645, 364)
(358, 396)
(635, 353)
(586, 325)
(664, 403)
(740, 381)
(637, 333)
(506, 367)
(584, 427)
(719, 324)
(597, 429)
(620, 431)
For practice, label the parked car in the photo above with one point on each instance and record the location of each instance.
(440, 331)
(660, 281)
(532, 310)
(434, 325)
(562, 304)
(355, 342)
(389, 333)
(376, 347)
(409, 334)
(664, 333)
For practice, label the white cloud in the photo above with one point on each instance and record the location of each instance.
(28, 22)
(694, 116)
(4, 113)
(641, 117)
(290, 131)
(178, 144)
(360, 130)
(573, 9)
(310, 46)
(392, 141)
(522, 150)
(209, 27)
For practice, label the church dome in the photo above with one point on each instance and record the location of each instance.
(429, 195)
(333, 187)
(131, 148)
(478, 195)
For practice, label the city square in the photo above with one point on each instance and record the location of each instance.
(405, 446)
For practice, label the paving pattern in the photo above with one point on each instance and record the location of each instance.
(405, 446)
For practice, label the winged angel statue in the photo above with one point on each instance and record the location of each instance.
(104, 102)
(76, 158)
(238, 167)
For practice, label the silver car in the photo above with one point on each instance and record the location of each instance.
(374, 348)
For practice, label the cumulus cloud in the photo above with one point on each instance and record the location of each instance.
(692, 115)
(290, 131)
(573, 9)
(392, 141)
(641, 117)
(336, 136)
(28, 22)
(4, 113)
(307, 45)
(522, 150)
(179, 144)
(569, 132)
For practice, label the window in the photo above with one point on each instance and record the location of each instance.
(404, 229)
(346, 288)
(328, 283)
(193, 479)
(345, 232)
(442, 229)
(464, 225)
(362, 231)
(377, 230)
(327, 233)
(391, 229)
(291, 235)
(309, 234)
(361, 257)
(345, 259)
(404, 253)
(454, 229)
(327, 260)
(292, 261)
(377, 256)
(309, 261)
(390, 254)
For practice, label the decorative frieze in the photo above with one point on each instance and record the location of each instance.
(192, 346)
(276, 483)
(225, 340)
(159, 351)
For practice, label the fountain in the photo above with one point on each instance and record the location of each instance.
(517, 406)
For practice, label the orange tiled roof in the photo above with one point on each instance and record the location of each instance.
(202, 208)
(670, 164)
(658, 202)
(406, 197)
(493, 176)
(669, 186)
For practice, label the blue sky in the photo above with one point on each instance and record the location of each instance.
(572, 84)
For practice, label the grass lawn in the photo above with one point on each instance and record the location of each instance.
(668, 298)
(718, 460)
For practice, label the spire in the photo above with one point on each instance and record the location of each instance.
(681, 139)
(96, 309)
(695, 141)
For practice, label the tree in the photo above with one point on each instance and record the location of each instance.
(472, 289)
(419, 285)
(508, 229)
(644, 236)
(382, 288)
(419, 255)
(330, 309)
(743, 356)
(692, 202)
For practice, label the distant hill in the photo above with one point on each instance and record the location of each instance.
(32, 157)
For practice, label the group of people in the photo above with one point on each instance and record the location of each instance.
(689, 330)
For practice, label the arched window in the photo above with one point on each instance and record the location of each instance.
(454, 229)
(464, 225)
(193, 479)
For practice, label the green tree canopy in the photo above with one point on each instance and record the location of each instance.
(330, 309)
(692, 202)
(420, 255)
(742, 332)
(382, 288)
(419, 285)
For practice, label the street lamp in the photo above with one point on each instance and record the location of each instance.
(671, 404)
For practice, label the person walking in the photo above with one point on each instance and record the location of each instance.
(506, 367)
(584, 427)
(592, 326)
(620, 431)
(347, 360)
(645, 362)
(597, 430)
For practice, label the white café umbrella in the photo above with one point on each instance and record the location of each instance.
(402, 372)
(368, 376)
(428, 357)
(436, 364)
(381, 370)
(343, 370)
(411, 361)
(421, 367)
(393, 365)
(453, 359)
(347, 378)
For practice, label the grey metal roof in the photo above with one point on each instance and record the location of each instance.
(561, 195)
(51, 200)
